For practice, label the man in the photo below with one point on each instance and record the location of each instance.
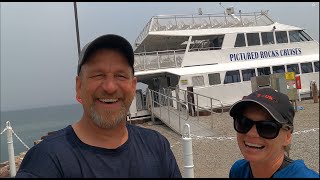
(102, 143)
(264, 124)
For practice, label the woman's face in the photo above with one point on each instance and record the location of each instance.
(255, 148)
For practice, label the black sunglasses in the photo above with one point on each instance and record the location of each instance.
(266, 129)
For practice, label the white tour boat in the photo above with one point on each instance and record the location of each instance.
(217, 54)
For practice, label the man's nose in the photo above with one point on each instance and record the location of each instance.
(110, 85)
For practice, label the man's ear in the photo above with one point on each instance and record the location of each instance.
(78, 87)
(78, 99)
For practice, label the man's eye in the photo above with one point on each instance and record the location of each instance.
(121, 76)
(96, 76)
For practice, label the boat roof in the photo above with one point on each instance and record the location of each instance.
(203, 32)
(176, 27)
(229, 66)
(154, 38)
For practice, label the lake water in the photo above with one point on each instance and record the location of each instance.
(31, 124)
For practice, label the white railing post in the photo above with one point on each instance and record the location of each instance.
(187, 152)
(12, 162)
(197, 106)
(168, 102)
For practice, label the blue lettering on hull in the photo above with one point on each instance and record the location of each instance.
(264, 54)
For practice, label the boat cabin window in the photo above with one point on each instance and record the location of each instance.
(278, 69)
(197, 81)
(240, 41)
(214, 79)
(306, 67)
(281, 37)
(293, 68)
(267, 38)
(247, 74)
(264, 71)
(232, 77)
(216, 43)
(204, 43)
(253, 39)
(316, 66)
(299, 36)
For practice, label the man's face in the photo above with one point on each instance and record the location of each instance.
(106, 86)
(257, 149)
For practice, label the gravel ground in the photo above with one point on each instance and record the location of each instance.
(213, 156)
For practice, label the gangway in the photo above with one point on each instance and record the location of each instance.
(173, 111)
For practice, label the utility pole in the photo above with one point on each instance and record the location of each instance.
(77, 26)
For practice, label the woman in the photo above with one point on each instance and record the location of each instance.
(264, 124)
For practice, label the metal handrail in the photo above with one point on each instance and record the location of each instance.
(200, 107)
(155, 52)
(205, 49)
(222, 107)
(166, 106)
(144, 31)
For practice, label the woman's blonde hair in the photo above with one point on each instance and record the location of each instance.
(287, 149)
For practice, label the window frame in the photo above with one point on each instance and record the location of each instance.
(263, 70)
(196, 76)
(284, 69)
(244, 40)
(243, 77)
(232, 77)
(249, 40)
(297, 65)
(209, 75)
(302, 70)
(282, 33)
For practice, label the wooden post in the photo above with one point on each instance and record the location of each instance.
(190, 97)
(314, 90)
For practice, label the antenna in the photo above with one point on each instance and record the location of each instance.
(221, 5)
(223, 8)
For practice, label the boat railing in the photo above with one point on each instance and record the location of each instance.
(204, 21)
(158, 59)
(144, 32)
(201, 102)
(167, 105)
(204, 48)
(211, 103)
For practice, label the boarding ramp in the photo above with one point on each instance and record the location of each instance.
(173, 107)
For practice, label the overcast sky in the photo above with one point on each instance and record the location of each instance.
(39, 49)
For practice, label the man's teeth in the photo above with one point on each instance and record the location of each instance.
(253, 145)
(108, 100)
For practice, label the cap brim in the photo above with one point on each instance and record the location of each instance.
(238, 106)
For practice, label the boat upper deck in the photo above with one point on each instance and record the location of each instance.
(176, 41)
(204, 21)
